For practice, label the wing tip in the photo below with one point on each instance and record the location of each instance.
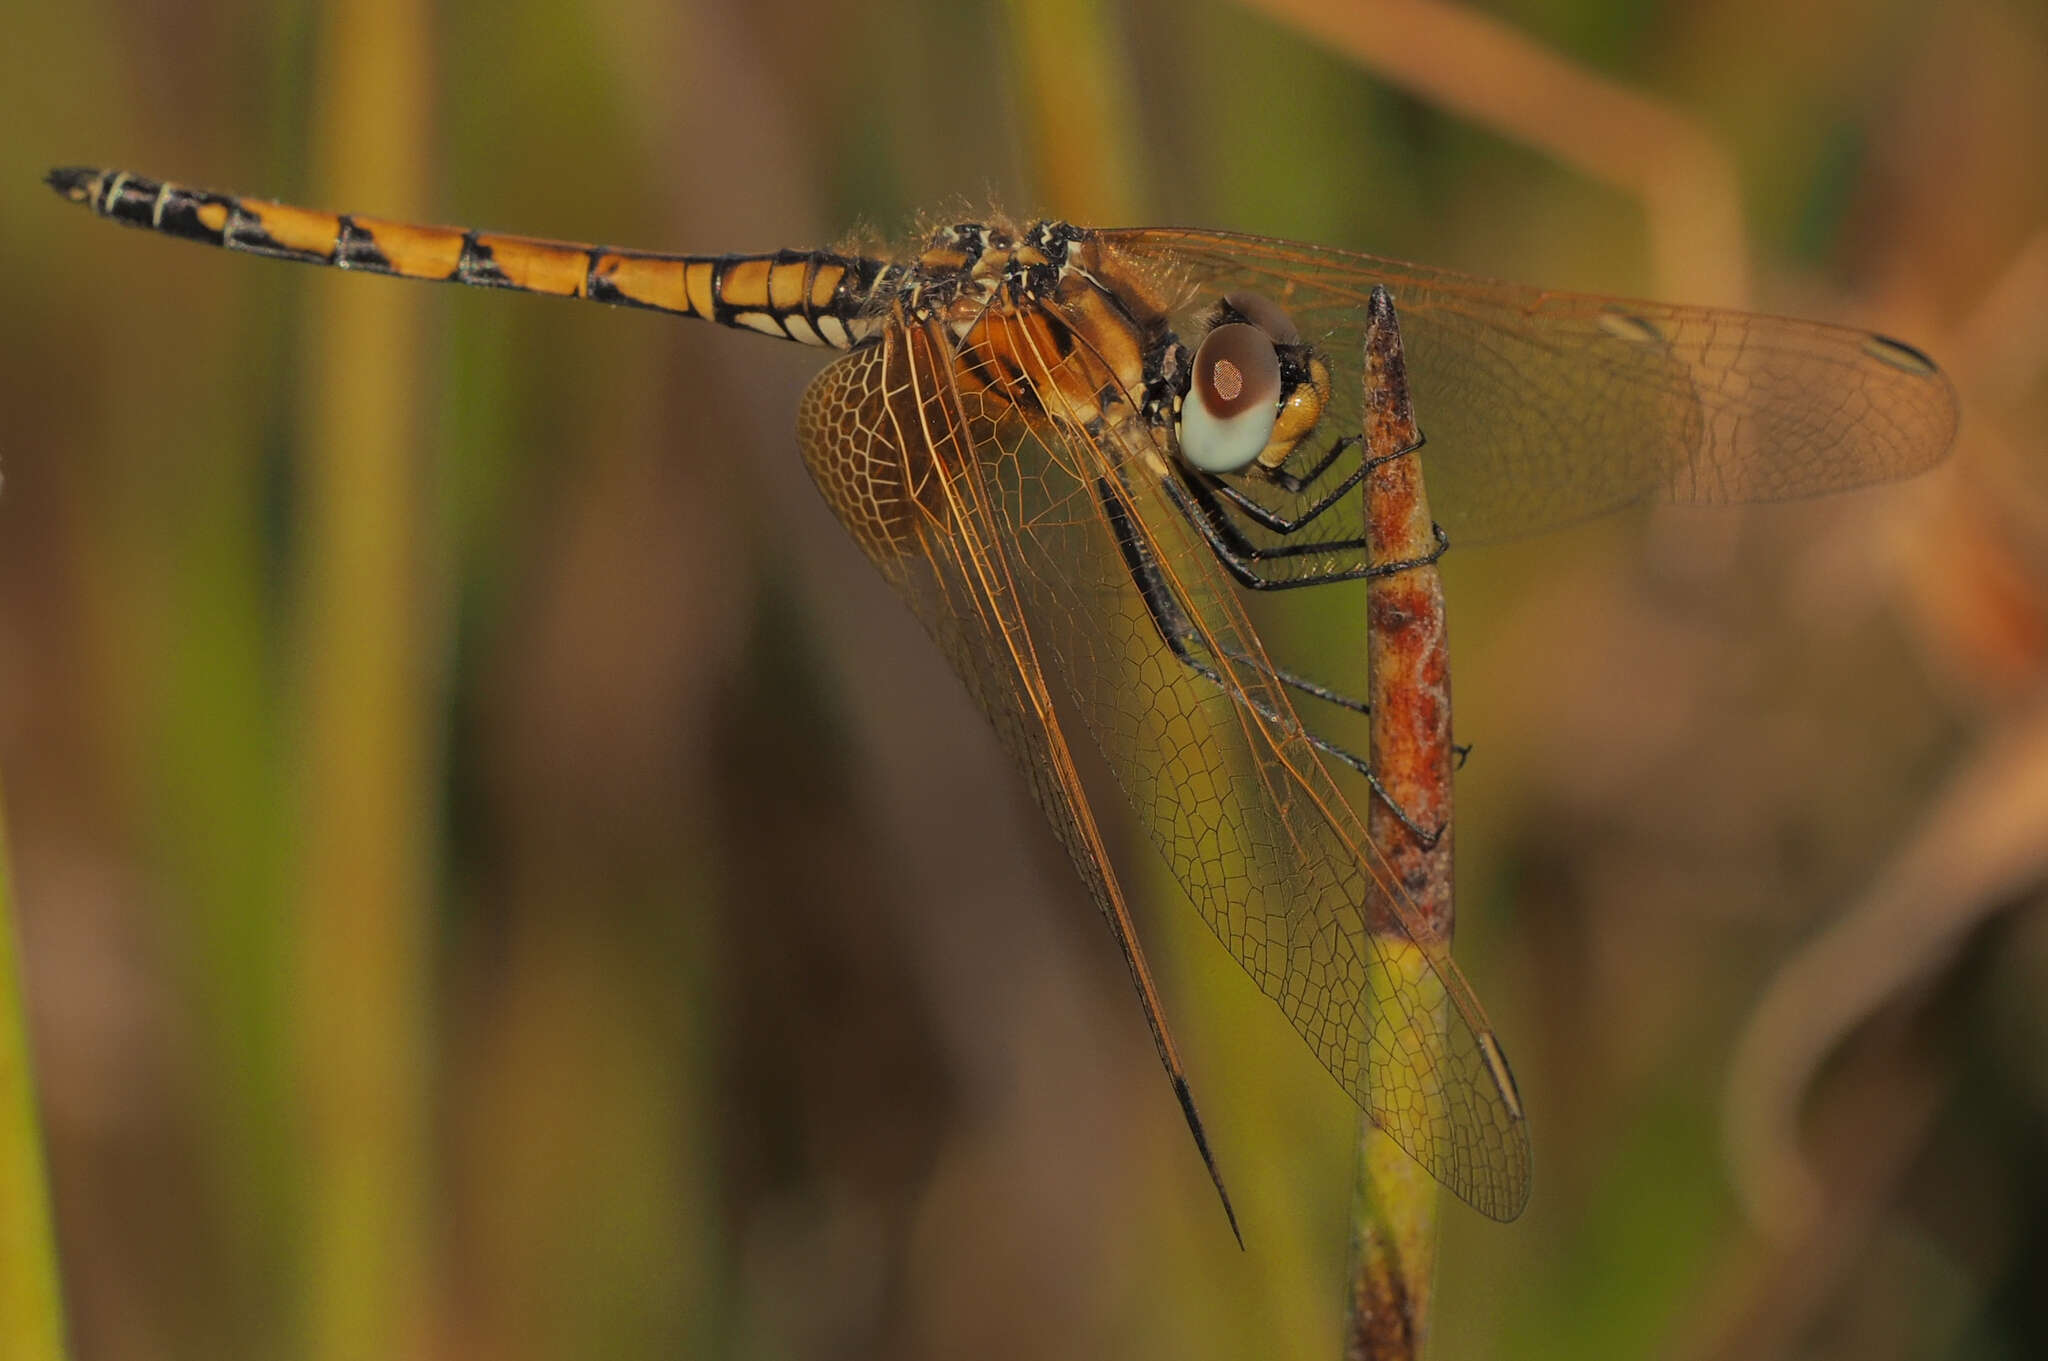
(1186, 1097)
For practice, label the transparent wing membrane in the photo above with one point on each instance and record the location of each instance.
(1227, 784)
(885, 438)
(1013, 566)
(1544, 408)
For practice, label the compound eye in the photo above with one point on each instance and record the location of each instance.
(1269, 316)
(1233, 399)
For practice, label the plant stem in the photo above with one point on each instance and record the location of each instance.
(1407, 647)
(31, 1305)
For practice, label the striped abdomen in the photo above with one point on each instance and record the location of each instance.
(816, 297)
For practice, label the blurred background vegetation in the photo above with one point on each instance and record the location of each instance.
(497, 875)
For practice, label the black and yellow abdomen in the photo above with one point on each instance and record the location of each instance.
(814, 297)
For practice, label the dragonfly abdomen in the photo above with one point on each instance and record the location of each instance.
(813, 297)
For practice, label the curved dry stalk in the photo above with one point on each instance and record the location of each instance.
(1985, 842)
(1481, 69)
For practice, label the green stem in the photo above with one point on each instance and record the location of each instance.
(31, 1306)
(369, 759)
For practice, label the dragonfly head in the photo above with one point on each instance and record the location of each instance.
(1253, 390)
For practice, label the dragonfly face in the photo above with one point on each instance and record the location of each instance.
(1252, 392)
(1069, 450)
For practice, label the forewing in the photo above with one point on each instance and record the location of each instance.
(883, 434)
(1543, 408)
(1222, 777)
(923, 521)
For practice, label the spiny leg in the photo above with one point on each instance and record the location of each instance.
(1293, 485)
(1223, 489)
(1240, 557)
(1175, 630)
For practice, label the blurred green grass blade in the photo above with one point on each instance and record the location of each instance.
(31, 1311)
(1075, 110)
(368, 832)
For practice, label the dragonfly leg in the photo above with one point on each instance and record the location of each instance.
(1180, 637)
(1240, 557)
(1282, 525)
(1295, 485)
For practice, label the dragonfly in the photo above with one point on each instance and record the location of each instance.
(1076, 452)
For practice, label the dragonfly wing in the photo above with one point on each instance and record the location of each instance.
(1543, 408)
(1222, 776)
(884, 437)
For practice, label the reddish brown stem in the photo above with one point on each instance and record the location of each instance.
(1409, 821)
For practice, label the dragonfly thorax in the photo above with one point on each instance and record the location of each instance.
(1044, 325)
(1057, 324)
(970, 266)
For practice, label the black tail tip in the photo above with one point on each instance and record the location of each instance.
(74, 182)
